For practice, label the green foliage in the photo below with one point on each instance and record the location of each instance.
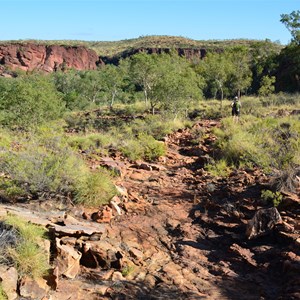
(132, 149)
(216, 69)
(218, 168)
(93, 141)
(238, 146)
(27, 102)
(152, 149)
(112, 82)
(29, 259)
(95, 189)
(267, 86)
(292, 23)
(279, 101)
(43, 163)
(26, 255)
(10, 190)
(167, 81)
(157, 126)
(241, 77)
(287, 79)
(144, 147)
(28, 231)
(269, 143)
(264, 62)
(269, 196)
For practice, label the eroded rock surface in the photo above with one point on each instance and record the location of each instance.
(182, 234)
(48, 58)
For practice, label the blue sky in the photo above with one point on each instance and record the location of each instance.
(102, 20)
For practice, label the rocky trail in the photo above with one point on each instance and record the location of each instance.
(174, 232)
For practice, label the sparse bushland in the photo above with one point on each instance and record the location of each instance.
(269, 141)
(43, 163)
(134, 147)
(101, 116)
(158, 126)
(136, 138)
(110, 48)
(20, 247)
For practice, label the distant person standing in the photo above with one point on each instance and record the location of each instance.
(236, 109)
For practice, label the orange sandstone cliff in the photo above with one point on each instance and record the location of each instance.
(47, 58)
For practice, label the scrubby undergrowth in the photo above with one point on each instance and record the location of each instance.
(21, 248)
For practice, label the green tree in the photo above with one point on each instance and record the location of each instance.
(216, 68)
(112, 82)
(287, 77)
(29, 101)
(264, 62)
(167, 80)
(267, 86)
(90, 86)
(241, 77)
(177, 85)
(292, 23)
(67, 84)
(143, 73)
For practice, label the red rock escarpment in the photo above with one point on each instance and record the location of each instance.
(47, 58)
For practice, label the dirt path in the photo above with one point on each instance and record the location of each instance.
(184, 234)
(197, 226)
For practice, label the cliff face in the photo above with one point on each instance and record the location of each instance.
(46, 58)
(50, 58)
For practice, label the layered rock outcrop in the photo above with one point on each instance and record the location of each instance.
(51, 58)
(47, 58)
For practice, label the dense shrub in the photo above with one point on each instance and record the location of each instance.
(95, 189)
(27, 102)
(269, 196)
(90, 141)
(144, 147)
(41, 165)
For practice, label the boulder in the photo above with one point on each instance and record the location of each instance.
(35, 289)
(67, 260)
(263, 222)
(9, 280)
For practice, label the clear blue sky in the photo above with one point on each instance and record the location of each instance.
(103, 20)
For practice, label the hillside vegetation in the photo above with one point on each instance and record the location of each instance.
(113, 48)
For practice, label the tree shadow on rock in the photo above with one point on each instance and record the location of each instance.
(141, 291)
